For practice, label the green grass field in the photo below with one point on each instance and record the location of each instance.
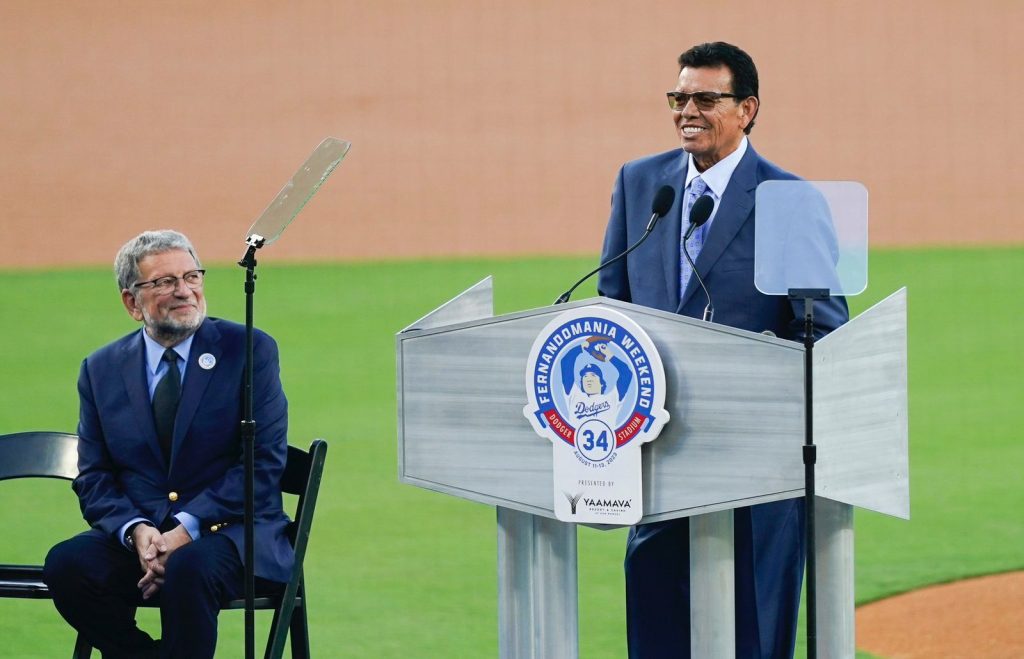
(395, 571)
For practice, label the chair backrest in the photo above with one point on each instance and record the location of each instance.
(39, 455)
(302, 475)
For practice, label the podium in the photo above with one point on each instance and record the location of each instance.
(735, 439)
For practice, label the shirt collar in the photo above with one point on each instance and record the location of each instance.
(717, 176)
(155, 351)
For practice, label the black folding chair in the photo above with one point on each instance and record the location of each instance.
(55, 455)
(34, 455)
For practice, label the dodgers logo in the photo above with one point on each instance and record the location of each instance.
(595, 383)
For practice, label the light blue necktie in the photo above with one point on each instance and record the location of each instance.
(696, 239)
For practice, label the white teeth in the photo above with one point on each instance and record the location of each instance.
(692, 129)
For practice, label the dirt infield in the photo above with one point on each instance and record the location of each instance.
(977, 618)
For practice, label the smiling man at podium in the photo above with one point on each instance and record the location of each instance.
(714, 105)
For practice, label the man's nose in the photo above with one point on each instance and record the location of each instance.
(181, 288)
(689, 110)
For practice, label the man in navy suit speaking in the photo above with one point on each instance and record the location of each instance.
(161, 478)
(714, 104)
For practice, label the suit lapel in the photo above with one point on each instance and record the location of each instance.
(733, 212)
(197, 379)
(674, 174)
(133, 373)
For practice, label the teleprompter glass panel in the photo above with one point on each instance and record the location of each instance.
(300, 189)
(811, 234)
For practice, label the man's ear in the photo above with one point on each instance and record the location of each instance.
(750, 106)
(131, 304)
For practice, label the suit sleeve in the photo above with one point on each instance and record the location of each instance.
(613, 281)
(812, 255)
(223, 499)
(828, 315)
(104, 505)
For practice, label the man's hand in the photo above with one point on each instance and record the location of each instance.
(148, 542)
(155, 556)
(147, 539)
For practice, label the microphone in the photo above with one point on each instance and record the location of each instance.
(662, 203)
(660, 207)
(699, 214)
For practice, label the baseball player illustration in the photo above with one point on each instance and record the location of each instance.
(587, 391)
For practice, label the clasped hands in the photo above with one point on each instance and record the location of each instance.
(153, 549)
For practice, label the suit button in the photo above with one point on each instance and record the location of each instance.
(172, 497)
(214, 528)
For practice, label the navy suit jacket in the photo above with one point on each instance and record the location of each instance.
(650, 275)
(122, 471)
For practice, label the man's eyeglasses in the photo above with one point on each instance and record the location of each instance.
(703, 100)
(193, 279)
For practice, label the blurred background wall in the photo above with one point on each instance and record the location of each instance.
(479, 128)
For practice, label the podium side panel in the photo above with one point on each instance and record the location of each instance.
(860, 410)
(474, 303)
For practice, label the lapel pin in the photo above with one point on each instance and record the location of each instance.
(207, 361)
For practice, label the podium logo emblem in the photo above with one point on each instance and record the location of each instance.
(573, 499)
(596, 389)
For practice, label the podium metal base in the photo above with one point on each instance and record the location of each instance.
(712, 586)
(537, 587)
(836, 630)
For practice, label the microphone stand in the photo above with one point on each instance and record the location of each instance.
(810, 457)
(700, 213)
(248, 435)
(564, 297)
(709, 311)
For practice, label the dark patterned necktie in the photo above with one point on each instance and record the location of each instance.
(165, 402)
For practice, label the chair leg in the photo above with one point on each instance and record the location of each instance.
(82, 648)
(297, 627)
(300, 632)
(275, 639)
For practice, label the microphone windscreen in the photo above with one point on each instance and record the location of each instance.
(663, 199)
(701, 210)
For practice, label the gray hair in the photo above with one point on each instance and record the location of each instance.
(126, 263)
